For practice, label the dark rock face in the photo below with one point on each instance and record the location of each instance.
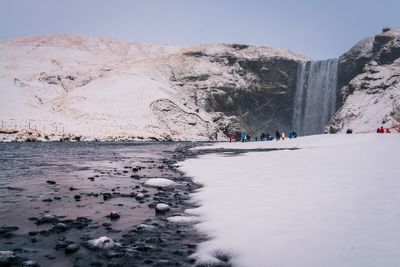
(383, 48)
(369, 76)
(253, 92)
(266, 104)
(352, 62)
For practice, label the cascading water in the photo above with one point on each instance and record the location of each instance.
(315, 97)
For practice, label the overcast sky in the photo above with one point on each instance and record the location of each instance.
(321, 29)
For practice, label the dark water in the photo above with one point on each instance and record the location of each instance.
(91, 171)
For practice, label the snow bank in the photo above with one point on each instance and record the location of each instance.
(334, 202)
(159, 182)
(184, 219)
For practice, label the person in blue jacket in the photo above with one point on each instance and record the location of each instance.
(243, 136)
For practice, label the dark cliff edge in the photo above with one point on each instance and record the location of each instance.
(369, 84)
(383, 48)
(258, 90)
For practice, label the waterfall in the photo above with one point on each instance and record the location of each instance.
(315, 97)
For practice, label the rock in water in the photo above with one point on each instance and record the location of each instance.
(7, 258)
(161, 207)
(102, 243)
(114, 215)
(30, 264)
(47, 219)
(70, 249)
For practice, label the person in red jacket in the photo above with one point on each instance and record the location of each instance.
(387, 130)
(381, 130)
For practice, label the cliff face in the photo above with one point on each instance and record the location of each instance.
(65, 86)
(240, 81)
(370, 75)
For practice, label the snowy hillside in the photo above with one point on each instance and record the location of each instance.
(65, 86)
(370, 72)
(322, 204)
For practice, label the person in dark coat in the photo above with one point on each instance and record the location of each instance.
(262, 137)
(277, 135)
(292, 134)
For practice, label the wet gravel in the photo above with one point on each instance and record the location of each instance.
(56, 197)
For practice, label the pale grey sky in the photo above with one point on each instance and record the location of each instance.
(321, 29)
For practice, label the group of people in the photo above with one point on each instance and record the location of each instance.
(279, 136)
(246, 137)
(384, 130)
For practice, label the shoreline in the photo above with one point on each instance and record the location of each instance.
(50, 235)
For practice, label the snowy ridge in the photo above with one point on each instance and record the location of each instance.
(98, 88)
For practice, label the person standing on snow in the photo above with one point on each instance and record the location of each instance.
(277, 136)
(243, 137)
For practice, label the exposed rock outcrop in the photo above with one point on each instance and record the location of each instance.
(253, 85)
(370, 73)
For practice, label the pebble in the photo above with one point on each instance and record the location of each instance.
(140, 196)
(106, 196)
(6, 231)
(161, 207)
(60, 227)
(50, 257)
(30, 264)
(47, 219)
(6, 258)
(114, 215)
(70, 249)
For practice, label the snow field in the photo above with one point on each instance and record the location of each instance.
(334, 202)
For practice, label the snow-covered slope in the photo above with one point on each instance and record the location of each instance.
(324, 204)
(103, 88)
(370, 72)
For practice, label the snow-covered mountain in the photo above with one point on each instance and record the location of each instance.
(370, 76)
(73, 87)
(70, 86)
